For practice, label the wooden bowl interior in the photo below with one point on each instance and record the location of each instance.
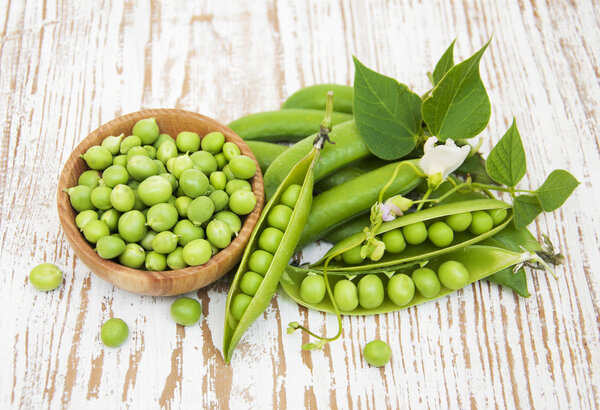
(173, 282)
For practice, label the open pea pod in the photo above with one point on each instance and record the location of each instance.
(301, 175)
(480, 261)
(425, 250)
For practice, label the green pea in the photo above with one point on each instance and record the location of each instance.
(166, 151)
(84, 217)
(440, 234)
(459, 222)
(193, 182)
(45, 277)
(141, 167)
(426, 282)
(279, 217)
(151, 152)
(482, 223)
(345, 294)
(109, 247)
(312, 289)
(230, 150)
(98, 158)
(155, 261)
(221, 160)
(160, 167)
(79, 196)
(130, 142)
(498, 215)
(94, 230)
(401, 289)
(213, 142)
(114, 332)
(230, 219)
(204, 161)
(370, 292)
(162, 138)
(139, 204)
(218, 180)
(114, 175)
(250, 283)
(89, 178)
(146, 241)
(169, 164)
(237, 185)
(377, 353)
(394, 241)
(228, 174)
(453, 275)
(112, 143)
(239, 305)
(155, 190)
(132, 226)
(218, 234)
(209, 190)
(120, 160)
(197, 252)
(175, 259)
(415, 234)
(133, 256)
(147, 129)
(220, 200)
(182, 204)
(270, 239)
(200, 210)
(352, 256)
(165, 242)
(111, 219)
(260, 261)
(290, 195)
(171, 179)
(162, 217)
(133, 151)
(122, 198)
(133, 184)
(100, 197)
(186, 311)
(182, 163)
(188, 141)
(242, 167)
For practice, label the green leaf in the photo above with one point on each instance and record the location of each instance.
(458, 107)
(506, 163)
(476, 167)
(387, 113)
(514, 280)
(526, 209)
(446, 63)
(556, 189)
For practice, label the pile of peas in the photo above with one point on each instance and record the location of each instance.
(154, 202)
(440, 233)
(400, 288)
(268, 243)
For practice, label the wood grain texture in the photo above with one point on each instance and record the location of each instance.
(68, 67)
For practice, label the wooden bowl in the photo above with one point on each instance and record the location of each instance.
(173, 282)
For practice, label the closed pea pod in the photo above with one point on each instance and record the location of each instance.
(312, 97)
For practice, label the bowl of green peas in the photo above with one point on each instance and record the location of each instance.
(160, 201)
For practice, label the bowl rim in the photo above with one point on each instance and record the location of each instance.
(158, 283)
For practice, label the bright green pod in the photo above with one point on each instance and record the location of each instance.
(265, 152)
(282, 125)
(313, 97)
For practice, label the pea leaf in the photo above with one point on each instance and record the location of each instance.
(506, 163)
(517, 281)
(387, 113)
(526, 209)
(445, 63)
(458, 107)
(556, 189)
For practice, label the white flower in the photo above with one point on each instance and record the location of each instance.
(440, 161)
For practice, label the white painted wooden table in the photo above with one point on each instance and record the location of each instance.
(67, 67)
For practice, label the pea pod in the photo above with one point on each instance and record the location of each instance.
(282, 125)
(331, 208)
(312, 97)
(348, 228)
(480, 261)
(265, 152)
(424, 250)
(348, 148)
(350, 172)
